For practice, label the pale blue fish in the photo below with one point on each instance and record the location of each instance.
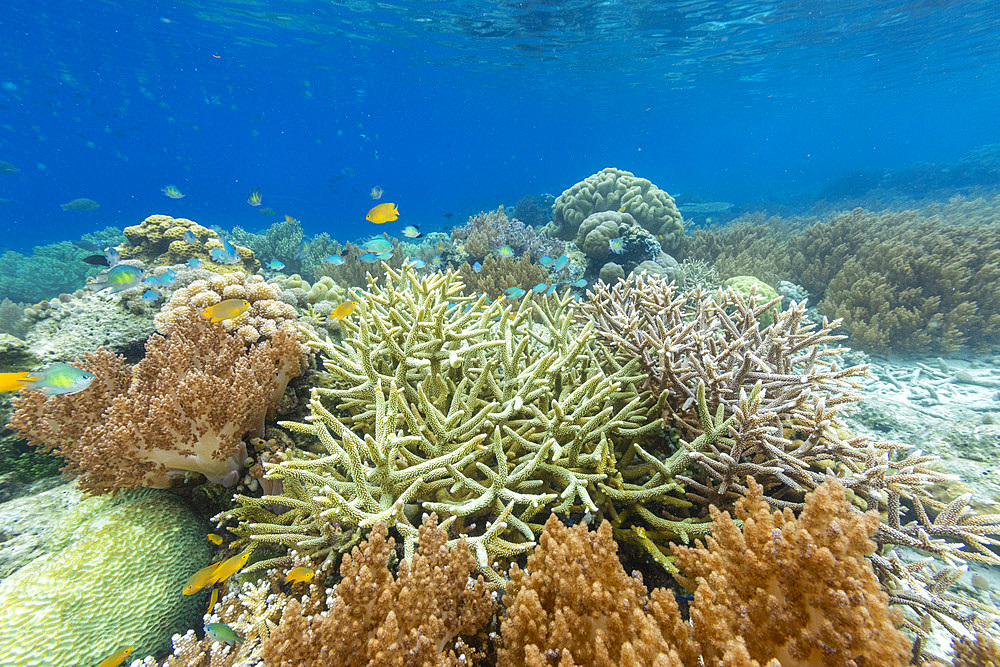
(220, 257)
(561, 263)
(615, 246)
(369, 258)
(515, 292)
(436, 260)
(112, 255)
(194, 263)
(582, 282)
(539, 288)
(551, 290)
(336, 260)
(59, 378)
(121, 277)
(150, 295)
(228, 247)
(276, 265)
(412, 232)
(505, 251)
(221, 632)
(477, 267)
(190, 237)
(546, 261)
(385, 256)
(417, 263)
(377, 245)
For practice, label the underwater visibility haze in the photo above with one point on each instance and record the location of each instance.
(594, 332)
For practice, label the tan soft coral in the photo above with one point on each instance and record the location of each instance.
(185, 408)
(416, 618)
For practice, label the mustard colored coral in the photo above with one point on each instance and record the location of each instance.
(159, 240)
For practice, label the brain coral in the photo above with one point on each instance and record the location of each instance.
(159, 239)
(616, 190)
(265, 317)
(113, 580)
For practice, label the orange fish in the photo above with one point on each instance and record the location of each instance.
(380, 213)
(343, 310)
(226, 310)
(14, 381)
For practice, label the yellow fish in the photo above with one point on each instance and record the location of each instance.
(621, 210)
(343, 310)
(230, 566)
(213, 600)
(116, 658)
(226, 310)
(215, 539)
(298, 574)
(289, 218)
(14, 381)
(386, 212)
(255, 199)
(200, 579)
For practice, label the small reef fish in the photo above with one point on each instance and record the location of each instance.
(369, 258)
(615, 246)
(551, 290)
(116, 658)
(412, 232)
(213, 600)
(194, 263)
(220, 256)
(121, 277)
(221, 632)
(477, 267)
(376, 192)
(505, 251)
(151, 295)
(343, 310)
(377, 245)
(621, 210)
(82, 204)
(289, 218)
(417, 263)
(546, 261)
(268, 211)
(303, 250)
(215, 539)
(14, 381)
(582, 282)
(436, 261)
(113, 256)
(200, 579)
(276, 265)
(8, 168)
(190, 237)
(539, 288)
(336, 260)
(226, 310)
(172, 192)
(298, 574)
(96, 260)
(59, 379)
(380, 213)
(230, 566)
(561, 263)
(255, 199)
(516, 292)
(385, 256)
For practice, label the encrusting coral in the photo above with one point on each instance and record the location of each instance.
(184, 408)
(781, 592)
(419, 617)
(486, 413)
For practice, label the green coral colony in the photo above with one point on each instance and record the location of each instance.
(600, 366)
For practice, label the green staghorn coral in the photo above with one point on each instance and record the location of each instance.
(489, 413)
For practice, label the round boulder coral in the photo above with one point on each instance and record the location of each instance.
(746, 285)
(616, 190)
(160, 239)
(112, 580)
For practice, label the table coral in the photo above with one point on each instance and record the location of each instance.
(266, 316)
(159, 239)
(486, 413)
(184, 408)
(616, 190)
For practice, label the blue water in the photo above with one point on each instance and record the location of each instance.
(456, 107)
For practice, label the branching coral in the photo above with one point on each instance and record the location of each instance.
(353, 272)
(482, 412)
(485, 232)
(419, 617)
(500, 273)
(183, 408)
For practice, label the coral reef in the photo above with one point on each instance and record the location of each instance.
(500, 273)
(48, 271)
(265, 317)
(419, 617)
(353, 272)
(536, 212)
(616, 190)
(183, 408)
(485, 232)
(159, 239)
(111, 579)
(485, 413)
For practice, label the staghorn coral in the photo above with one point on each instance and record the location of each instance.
(418, 617)
(485, 413)
(615, 190)
(183, 408)
(159, 239)
(485, 232)
(353, 272)
(262, 321)
(500, 273)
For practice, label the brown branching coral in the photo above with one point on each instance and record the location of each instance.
(353, 272)
(485, 232)
(420, 617)
(500, 273)
(184, 408)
